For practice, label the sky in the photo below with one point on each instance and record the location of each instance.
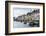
(20, 11)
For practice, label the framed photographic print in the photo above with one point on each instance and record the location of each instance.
(24, 17)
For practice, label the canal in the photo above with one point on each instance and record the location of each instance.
(21, 25)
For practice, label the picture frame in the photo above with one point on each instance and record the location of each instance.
(22, 6)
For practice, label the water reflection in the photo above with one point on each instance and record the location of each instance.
(27, 25)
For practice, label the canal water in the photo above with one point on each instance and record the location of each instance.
(21, 25)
